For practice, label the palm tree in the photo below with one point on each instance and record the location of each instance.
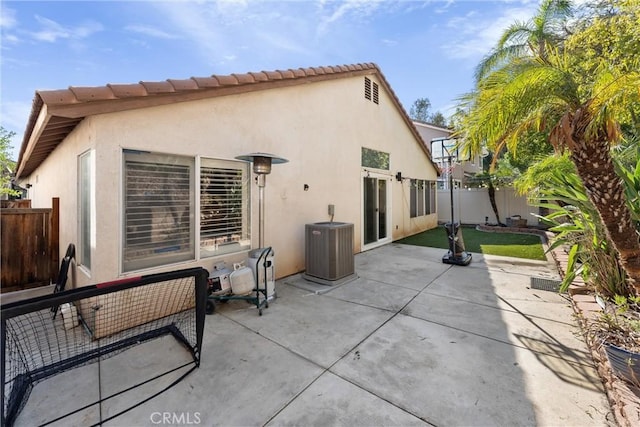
(533, 37)
(542, 93)
(524, 39)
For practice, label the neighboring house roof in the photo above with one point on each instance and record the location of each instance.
(420, 124)
(432, 126)
(55, 113)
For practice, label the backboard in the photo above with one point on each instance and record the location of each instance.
(442, 148)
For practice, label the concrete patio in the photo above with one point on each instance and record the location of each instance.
(412, 341)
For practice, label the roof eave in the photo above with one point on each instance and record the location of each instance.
(37, 120)
(408, 121)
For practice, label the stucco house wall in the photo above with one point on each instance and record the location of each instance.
(320, 128)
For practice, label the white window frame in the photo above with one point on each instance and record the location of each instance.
(430, 197)
(239, 239)
(193, 250)
(422, 198)
(162, 208)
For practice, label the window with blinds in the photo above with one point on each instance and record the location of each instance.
(158, 209)
(224, 200)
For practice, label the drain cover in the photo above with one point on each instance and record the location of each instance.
(545, 284)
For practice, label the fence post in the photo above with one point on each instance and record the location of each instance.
(54, 237)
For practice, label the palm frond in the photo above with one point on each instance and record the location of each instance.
(517, 33)
(554, 10)
(523, 95)
(499, 57)
(611, 96)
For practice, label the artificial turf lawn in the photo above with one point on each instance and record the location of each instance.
(506, 244)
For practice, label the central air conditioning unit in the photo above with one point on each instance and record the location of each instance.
(329, 252)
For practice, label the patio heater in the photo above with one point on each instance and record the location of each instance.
(456, 254)
(261, 167)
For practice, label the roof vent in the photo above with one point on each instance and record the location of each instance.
(367, 88)
(371, 90)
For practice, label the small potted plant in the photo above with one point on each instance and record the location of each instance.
(617, 330)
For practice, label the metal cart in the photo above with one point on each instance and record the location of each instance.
(258, 295)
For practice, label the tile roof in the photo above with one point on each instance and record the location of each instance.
(77, 95)
(64, 109)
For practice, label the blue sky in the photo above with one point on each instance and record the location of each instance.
(424, 48)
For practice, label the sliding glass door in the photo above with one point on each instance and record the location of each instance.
(375, 193)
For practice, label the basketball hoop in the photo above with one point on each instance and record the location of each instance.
(447, 148)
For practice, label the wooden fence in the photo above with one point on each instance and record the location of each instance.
(15, 204)
(30, 246)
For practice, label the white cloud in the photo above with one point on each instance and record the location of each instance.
(281, 43)
(477, 34)
(11, 38)
(7, 18)
(151, 31)
(442, 8)
(51, 31)
(196, 22)
(8, 22)
(240, 30)
(352, 10)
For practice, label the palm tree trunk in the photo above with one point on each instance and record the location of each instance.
(605, 189)
(492, 199)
